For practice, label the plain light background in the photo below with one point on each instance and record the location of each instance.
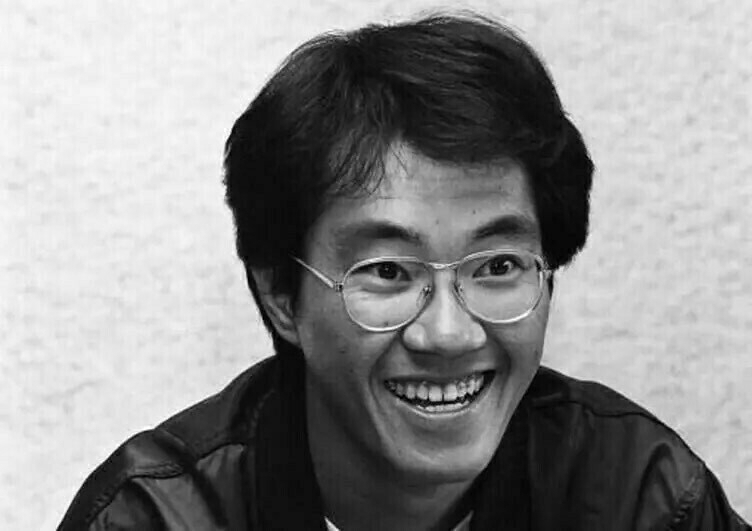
(121, 300)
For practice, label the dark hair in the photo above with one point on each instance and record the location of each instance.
(459, 89)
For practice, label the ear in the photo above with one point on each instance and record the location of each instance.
(278, 307)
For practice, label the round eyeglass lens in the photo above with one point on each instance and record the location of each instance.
(382, 294)
(500, 286)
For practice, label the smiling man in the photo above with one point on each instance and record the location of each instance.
(402, 196)
(415, 368)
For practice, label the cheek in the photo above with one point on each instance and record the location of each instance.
(320, 320)
(336, 350)
(326, 347)
(523, 342)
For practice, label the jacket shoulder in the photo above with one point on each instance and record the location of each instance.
(229, 416)
(597, 452)
(133, 485)
(551, 388)
(146, 455)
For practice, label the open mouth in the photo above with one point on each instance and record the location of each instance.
(435, 397)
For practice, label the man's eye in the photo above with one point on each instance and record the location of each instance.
(388, 271)
(498, 267)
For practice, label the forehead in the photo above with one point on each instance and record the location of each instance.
(443, 208)
(411, 176)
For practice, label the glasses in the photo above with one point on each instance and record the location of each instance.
(382, 294)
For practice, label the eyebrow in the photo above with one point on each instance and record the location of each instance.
(374, 230)
(511, 225)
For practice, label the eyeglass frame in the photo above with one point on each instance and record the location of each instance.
(544, 273)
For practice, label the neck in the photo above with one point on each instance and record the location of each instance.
(357, 487)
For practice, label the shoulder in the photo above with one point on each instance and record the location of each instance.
(585, 410)
(192, 459)
(596, 452)
(589, 412)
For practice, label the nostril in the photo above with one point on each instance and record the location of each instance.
(425, 294)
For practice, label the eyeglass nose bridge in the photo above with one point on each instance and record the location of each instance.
(439, 266)
(428, 289)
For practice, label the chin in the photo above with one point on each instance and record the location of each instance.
(434, 466)
(439, 448)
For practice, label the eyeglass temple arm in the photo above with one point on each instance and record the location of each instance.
(337, 286)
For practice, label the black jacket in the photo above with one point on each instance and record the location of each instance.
(576, 455)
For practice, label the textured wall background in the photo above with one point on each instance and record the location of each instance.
(121, 301)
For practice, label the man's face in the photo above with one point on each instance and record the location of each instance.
(441, 214)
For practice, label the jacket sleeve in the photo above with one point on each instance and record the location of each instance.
(708, 510)
(129, 508)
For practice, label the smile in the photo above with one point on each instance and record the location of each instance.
(433, 397)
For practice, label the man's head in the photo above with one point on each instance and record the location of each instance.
(432, 139)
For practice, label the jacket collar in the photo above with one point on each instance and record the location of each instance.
(289, 497)
(501, 494)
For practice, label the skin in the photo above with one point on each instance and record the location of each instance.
(378, 462)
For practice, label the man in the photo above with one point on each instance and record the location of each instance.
(403, 196)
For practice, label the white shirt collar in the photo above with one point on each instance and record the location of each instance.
(464, 525)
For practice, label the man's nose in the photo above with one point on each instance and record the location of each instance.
(444, 326)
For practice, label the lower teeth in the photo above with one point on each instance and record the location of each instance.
(433, 408)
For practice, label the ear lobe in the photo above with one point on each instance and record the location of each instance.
(277, 306)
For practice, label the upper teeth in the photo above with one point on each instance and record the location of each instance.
(435, 392)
